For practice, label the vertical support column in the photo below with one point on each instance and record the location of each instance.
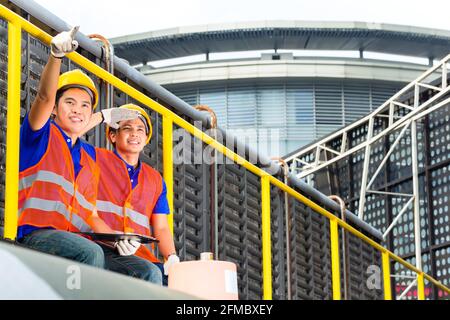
(444, 75)
(365, 173)
(415, 174)
(168, 164)
(335, 269)
(420, 287)
(266, 241)
(13, 131)
(386, 276)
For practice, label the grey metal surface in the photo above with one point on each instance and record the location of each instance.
(93, 283)
(261, 35)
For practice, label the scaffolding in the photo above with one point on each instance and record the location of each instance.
(375, 141)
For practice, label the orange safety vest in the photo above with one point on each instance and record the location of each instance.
(122, 207)
(49, 193)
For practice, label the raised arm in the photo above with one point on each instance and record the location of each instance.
(44, 102)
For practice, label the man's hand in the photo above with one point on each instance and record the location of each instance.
(64, 43)
(113, 116)
(127, 247)
(171, 260)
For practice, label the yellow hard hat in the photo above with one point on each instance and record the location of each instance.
(78, 79)
(148, 123)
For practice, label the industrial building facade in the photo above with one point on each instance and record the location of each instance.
(275, 75)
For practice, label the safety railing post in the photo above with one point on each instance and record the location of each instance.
(386, 276)
(420, 286)
(335, 271)
(266, 241)
(168, 164)
(12, 130)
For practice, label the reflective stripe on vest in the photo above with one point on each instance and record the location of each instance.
(117, 198)
(49, 205)
(135, 216)
(48, 176)
(49, 193)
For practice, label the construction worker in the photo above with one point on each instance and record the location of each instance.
(58, 175)
(132, 199)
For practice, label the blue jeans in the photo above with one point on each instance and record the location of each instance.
(165, 279)
(66, 245)
(133, 266)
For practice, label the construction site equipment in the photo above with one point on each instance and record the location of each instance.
(250, 199)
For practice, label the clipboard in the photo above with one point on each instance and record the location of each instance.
(119, 236)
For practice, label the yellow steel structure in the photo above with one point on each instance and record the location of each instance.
(266, 242)
(420, 286)
(17, 23)
(168, 164)
(335, 272)
(386, 276)
(12, 130)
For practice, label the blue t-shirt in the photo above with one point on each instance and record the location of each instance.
(33, 145)
(161, 206)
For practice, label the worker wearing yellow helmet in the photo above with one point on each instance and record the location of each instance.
(142, 199)
(58, 175)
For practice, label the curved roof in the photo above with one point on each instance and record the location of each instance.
(294, 35)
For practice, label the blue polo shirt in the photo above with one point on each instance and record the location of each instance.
(162, 206)
(33, 145)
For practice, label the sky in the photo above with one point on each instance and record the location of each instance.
(112, 18)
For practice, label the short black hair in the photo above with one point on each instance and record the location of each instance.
(61, 91)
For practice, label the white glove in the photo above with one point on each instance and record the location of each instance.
(173, 258)
(127, 247)
(64, 43)
(113, 116)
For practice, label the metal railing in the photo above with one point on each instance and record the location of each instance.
(17, 24)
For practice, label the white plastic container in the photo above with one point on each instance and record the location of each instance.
(205, 278)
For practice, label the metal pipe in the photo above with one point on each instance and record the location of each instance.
(109, 63)
(365, 173)
(397, 218)
(42, 14)
(344, 245)
(287, 219)
(404, 293)
(215, 192)
(415, 173)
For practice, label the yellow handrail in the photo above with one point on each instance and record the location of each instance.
(170, 118)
